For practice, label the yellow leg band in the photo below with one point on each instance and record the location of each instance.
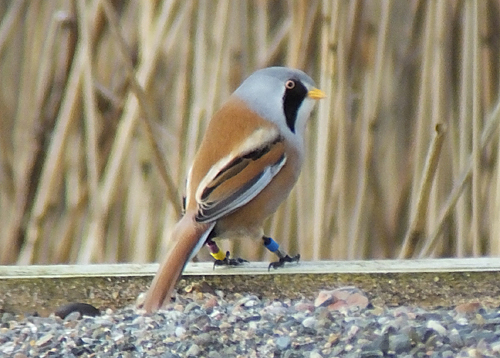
(219, 255)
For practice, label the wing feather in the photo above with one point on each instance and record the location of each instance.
(240, 179)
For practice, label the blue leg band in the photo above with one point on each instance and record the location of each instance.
(270, 244)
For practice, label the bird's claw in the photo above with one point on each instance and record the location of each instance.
(282, 260)
(229, 262)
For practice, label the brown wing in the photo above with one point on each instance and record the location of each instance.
(239, 155)
(239, 179)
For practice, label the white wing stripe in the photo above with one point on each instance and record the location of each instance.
(263, 180)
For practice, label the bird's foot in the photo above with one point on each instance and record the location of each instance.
(227, 261)
(282, 260)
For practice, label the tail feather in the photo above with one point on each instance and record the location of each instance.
(187, 235)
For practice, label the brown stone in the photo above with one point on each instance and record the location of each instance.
(343, 297)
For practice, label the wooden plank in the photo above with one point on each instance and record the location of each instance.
(257, 268)
(428, 283)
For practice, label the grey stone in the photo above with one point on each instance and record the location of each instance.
(283, 343)
(193, 351)
(399, 343)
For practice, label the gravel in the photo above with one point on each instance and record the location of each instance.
(205, 325)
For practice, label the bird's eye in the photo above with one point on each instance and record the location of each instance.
(290, 84)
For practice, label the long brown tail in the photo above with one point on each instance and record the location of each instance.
(187, 234)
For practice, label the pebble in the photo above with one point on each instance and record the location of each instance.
(73, 316)
(203, 339)
(309, 322)
(180, 331)
(436, 326)
(193, 351)
(44, 340)
(350, 298)
(80, 307)
(468, 307)
(214, 354)
(455, 339)
(283, 342)
(217, 325)
(399, 343)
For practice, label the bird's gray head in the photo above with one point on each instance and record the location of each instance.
(281, 95)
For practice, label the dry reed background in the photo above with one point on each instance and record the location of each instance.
(102, 105)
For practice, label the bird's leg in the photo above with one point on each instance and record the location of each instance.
(222, 259)
(273, 246)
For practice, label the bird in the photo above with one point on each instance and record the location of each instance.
(246, 165)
